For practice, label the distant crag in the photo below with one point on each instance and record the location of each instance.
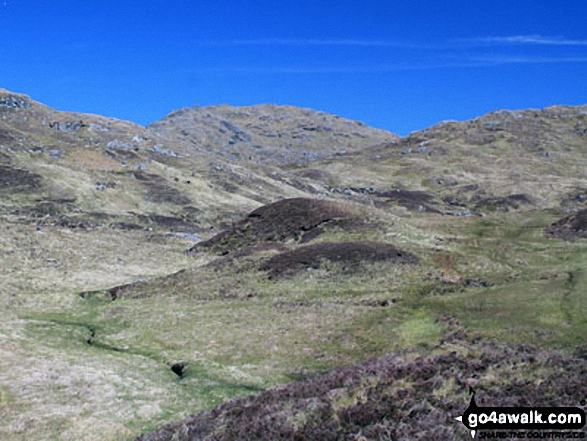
(269, 134)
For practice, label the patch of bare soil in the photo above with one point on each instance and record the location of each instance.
(159, 190)
(506, 203)
(351, 254)
(170, 222)
(409, 395)
(569, 228)
(315, 174)
(18, 180)
(6, 136)
(246, 253)
(412, 200)
(298, 219)
(4, 158)
(131, 290)
(71, 222)
(115, 293)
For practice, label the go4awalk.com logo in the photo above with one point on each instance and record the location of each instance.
(523, 422)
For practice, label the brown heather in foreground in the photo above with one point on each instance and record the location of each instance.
(405, 396)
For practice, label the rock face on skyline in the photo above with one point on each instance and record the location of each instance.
(543, 132)
(222, 159)
(278, 135)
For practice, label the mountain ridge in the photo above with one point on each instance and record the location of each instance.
(158, 275)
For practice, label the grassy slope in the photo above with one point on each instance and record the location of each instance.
(239, 332)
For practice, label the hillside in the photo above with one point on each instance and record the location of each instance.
(268, 134)
(228, 265)
(505, 160)
(117, 168)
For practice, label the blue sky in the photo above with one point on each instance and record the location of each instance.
(398, 65)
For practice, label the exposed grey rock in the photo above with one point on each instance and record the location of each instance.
(55, 154)
(14, 102)
(269, 134)
(119, 145)
(493, 126)
(140, 167)
(312, 156)
(98, 128)
(189, 236)
(67, 126)
(478, 283)
(163, 151)
(464, 213)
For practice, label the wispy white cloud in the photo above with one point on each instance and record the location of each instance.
(450, 54)
(506, 59)
(349, 42)
(357, 42)
(467, 62)
(317, 70)
(523, 40)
